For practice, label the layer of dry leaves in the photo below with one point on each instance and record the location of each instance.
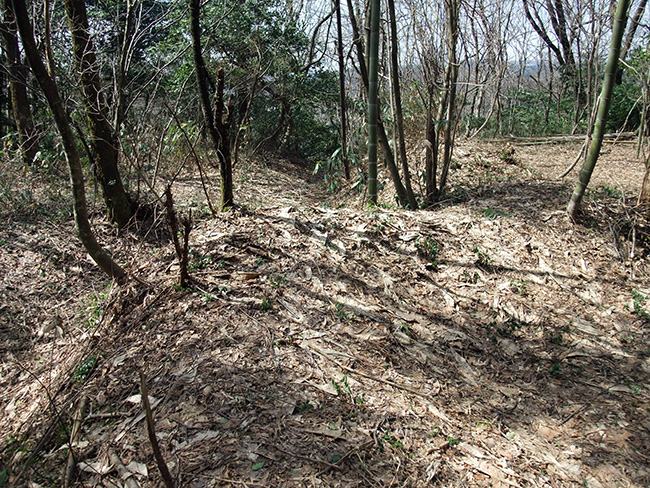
(489, 342)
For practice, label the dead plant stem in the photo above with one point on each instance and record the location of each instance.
(160, 461)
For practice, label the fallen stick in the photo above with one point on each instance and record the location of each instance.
(160, 461)
(127, 476)
(368, 376)
(76, 427)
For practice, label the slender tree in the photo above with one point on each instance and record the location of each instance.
(644, 195)
(18, 73)
(104, 140)
(618, 30)
(3, 97)
(48, 85)
(633, 25)
(342, 102)
(452, 10)
(47, 41)
(216, 116)
(381, 132)
(373, 75)
(121, 69)
(400, 143)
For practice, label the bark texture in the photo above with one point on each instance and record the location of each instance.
(400, 143)
(18, 74)
(342, 101)
(373, 75)
(47, 84)
(644, 196)
(620, 20)
(381, 132)
(103, 138)
(217, 115)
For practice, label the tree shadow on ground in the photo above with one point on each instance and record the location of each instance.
(529, 199)
(310, 363)
(319, 347)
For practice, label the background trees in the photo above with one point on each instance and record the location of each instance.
(294, 78)
(17, 77)
(267, 80)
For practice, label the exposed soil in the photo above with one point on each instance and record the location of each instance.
(488, 342)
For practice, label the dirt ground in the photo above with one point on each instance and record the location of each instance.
(488, 342)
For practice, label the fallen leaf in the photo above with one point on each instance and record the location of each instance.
(138, 468)
(136, 399)
(97, 467)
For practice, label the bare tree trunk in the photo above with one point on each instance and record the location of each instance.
(243, 121)
(342, 102)
(631, 31)
(47, 84)
(563, 32)
(222, 122)
(580, 95)
(18, 88)
(603, 109)
(383, 140)
(47, 19)
(644, 196)
(452, 7)
(400, 144)
(217, 118)
(538, 25)
(431, 162)
(632, 27)
(373, 75)
(103, 137)
(122, 68)
(549, 105)
(474, 111)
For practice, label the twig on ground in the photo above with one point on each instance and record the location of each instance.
(76, 427)
(127, 476)
(236, 482)
(584, 406)
(575, 161)
(368, 376)
(111, 415)
(160, 461)
(354, 450)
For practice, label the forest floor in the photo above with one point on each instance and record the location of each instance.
(488, 342)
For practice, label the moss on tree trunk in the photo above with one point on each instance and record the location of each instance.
(103, 139)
